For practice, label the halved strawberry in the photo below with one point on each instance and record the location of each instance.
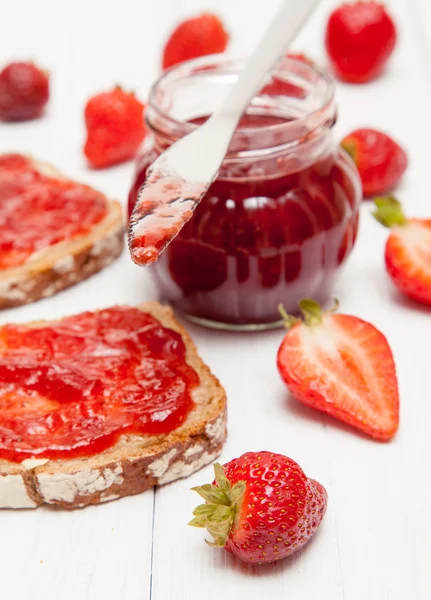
(408, 249)
(343, 366)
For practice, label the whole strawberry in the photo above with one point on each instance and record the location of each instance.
(115, 127)
(24, 91)
(408, 249)
(343, 366)
(380, 161)
(198, 36)
(360, 37)
(261, 507)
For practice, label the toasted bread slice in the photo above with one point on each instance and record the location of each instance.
(66, 263)
(136, 462)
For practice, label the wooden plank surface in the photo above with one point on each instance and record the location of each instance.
(374, 542)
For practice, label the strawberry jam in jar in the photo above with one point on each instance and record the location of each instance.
(281, 217)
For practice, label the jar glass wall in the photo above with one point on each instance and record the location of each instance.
(282, 215)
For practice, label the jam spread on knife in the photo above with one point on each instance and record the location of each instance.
(165, 204)
(71, 388)
(38, 210)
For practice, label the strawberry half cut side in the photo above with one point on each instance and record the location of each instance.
(343, 366)
(408, 249)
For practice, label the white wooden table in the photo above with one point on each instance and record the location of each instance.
(374, 543)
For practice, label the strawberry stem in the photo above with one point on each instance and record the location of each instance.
(289, 320)
(335, 306)
(389, 212)
(222, 506)
(312, 312)
(350, 148)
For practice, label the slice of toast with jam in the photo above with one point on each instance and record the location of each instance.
(102, 405)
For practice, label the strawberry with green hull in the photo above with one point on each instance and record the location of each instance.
(408, 249)
(343, 366)
(261, 507)
(380, 161)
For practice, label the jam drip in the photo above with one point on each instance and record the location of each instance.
(38, 210)
(73, 388)
(165, 204)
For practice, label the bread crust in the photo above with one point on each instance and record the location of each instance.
(66, 263)
(135, 463)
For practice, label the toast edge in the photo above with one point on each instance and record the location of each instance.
(88, 256)
(176, 456)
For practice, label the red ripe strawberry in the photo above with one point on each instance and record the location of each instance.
(343, 366)
(379, 159)
(261, 507)
(360, 37)
(198, 36)
(24, 91)
(115, 127)
(408, 249)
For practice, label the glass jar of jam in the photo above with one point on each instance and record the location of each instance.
(282, 215)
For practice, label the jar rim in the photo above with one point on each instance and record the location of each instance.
(320, 117)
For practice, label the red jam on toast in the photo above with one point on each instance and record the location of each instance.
(70, 388)
(38, 210)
